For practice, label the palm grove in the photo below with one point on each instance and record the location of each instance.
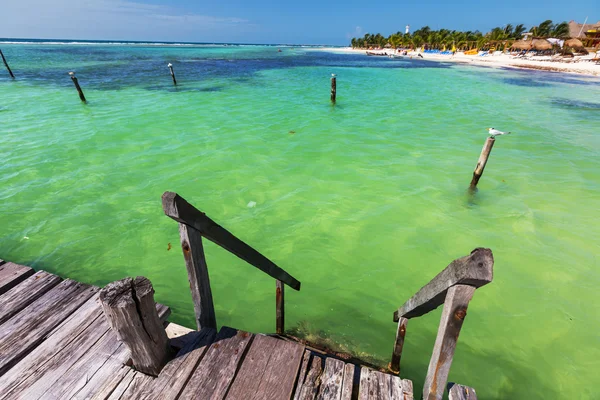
(445, 38)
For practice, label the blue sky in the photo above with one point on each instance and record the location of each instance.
(268, 21)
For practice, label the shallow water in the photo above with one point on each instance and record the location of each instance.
(364, 202)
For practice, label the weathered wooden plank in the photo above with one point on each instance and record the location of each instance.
(197, 270)
(394, 365)
(453, 315)
(348, 383)
(121, 388)
(279, 307)
(400, 388)
(138, 383)
(130, 309)
(375, 385)
(177, 372)
(302, 374)
(407, 389)
(24, 294)
(64, 334)
(179, 336)
(214, 374)
(475, 270)
(114, 377)
(366, 387)
(332, 380)
(460, 392)
(181, 211)
(12, 274)
(27, 329)
(268, 371)
(312, 382)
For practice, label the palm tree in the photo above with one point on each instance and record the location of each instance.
(518, 31)
(561, 30)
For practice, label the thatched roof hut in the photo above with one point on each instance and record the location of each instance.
(541, 44)
(574, 43)
(521, 45)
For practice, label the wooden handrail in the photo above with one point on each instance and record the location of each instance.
(181, 211)
(453, 287)
(474, 270)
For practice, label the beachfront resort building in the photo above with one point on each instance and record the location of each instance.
(589, 34)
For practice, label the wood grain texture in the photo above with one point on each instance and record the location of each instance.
(25, 293)
(375, 385)
(137, 385)
(453, 315)
(176, 373)
(12, 274)
(213, 375)
(482, 161)
(476, 270)
(332, 380)
(130, 310)
(348, 384)
(64, 334)
(30, 327)
(121, 387)
(197, 270)
(181, 211)
(304, 367)
(310, 387)
(114, 377)
(460, 392)
(394, 365)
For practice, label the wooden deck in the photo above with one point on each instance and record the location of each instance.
(55, 343)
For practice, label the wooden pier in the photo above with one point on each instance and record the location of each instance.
(61, 339)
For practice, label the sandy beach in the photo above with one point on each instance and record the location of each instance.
(499, 61)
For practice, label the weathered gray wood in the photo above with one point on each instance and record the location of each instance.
(61, 337)
(304, 367)
(121, 388)
(333, 88)
(214, 374)
(407, 388)
(483, 158)
(310, 387)
(400, 388)
(138, 383)
(195, 263)
(269, 370)
(348, 383)
(130, 309)
(114, 377)
(24, 294)
(177, 372)
(365, 391)
(460, 392)
(331, 380)
(394, 365)
(476, 270)
(181, 211)
(12, 274)
(28, 328)
(453, 315)
(279, 307)
(6, 65)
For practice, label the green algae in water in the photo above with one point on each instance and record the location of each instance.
(364, 204)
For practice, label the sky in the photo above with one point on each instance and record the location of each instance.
(268, 21)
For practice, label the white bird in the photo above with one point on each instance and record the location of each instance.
(71, 73)
(495, 132)
(170, 65)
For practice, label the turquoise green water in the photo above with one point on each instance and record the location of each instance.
(364, 203)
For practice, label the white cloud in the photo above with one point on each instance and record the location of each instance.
(110, 19)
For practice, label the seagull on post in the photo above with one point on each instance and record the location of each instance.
(495, 132)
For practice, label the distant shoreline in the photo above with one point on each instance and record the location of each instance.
(500, 61)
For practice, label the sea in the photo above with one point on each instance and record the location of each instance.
(363, 201)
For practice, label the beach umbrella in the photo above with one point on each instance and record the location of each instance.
(574, 43)
(521, 45)
(541, 44)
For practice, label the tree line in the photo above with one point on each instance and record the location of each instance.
(445, 38)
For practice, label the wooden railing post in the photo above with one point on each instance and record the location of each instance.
(453, 316)
(279, 308)
(195, 263)
(129, 307)
(398, 345)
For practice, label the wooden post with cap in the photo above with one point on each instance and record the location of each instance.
(74, 79)
(6, 64)
(333, 88)
(172, 74)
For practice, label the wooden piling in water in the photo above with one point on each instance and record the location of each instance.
(483, 158)
(130, 310)
(172, 74)
(333, 87)
(6, 64)
(279, 308)
(394, 365)
(74, 79)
